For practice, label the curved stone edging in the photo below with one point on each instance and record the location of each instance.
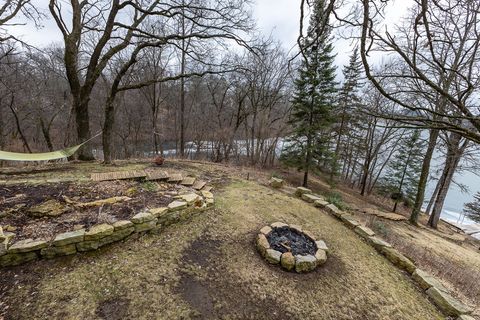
(71, 242)
(439, 295)
(288, 261)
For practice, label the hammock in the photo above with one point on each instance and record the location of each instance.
(55, 155)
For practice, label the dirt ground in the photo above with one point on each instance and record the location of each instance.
(208, 268)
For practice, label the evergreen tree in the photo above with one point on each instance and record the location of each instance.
(313, 99)
(401, 180)
(472, 209)
(347, 128)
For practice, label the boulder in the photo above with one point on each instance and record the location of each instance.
(287, 261)
(190, 198)
(305, 263)
(266, 230)
(49, 208)
(276, 183)
(88, 245)
(398, 259)
(146, 226)
(364, 232)
(378, 243)
(262, 244)
(142, 217)
(177, 205)
(98, 231)
(278, 225)
(350, 221)
(301, 190)
(27, 245)
(14, 259)
(321, 245)
(273, 256)
(65, 238)
(448, 304)
(55, 251)
(321, 256)
(332, 209)
(188, 181)
(122, 224)
(310, 198)
(158, 212)
(321, 203)
(426, 281)
(207, 194)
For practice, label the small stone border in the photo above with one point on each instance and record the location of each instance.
(288, 261)
(72, 242)
(439, 295)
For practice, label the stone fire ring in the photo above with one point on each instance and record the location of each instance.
(289, 261)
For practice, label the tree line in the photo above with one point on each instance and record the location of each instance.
(194, 77)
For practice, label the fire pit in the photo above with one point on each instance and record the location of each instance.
(291, 247)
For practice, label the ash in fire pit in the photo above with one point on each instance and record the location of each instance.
(291, 247)
(286, 239)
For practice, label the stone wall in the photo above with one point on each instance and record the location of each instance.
(437, 293)
(82, 240)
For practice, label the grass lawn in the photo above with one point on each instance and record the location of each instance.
(208, 268)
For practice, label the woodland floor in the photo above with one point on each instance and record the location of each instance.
(208, 268)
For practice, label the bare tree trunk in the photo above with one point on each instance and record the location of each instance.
(108, 131)
(17, 123)
(46, 134)
(422, 183)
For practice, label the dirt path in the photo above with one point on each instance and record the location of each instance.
(207, 268)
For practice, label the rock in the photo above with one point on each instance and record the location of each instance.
(65, 238)
(131, 192)
(278, 225)
(142, 217)
(273, 256)
(49, 208)
(364, 232)
(305, 263)
(309, 235)
(117, 235)
(188, 181)
(465, 317)
(296, 227)
(321, 203)
(322, 245)
(266, 230)
(398, 259)
(210, 202)
(27, 245)
(287, 261)
(426, 281)
(3, 247)
(378, 243)
(146, 226)
(175, 178)
(301, 190)
(88, 245)
(177, 205)
(14, 259)
(207, 194)
(208, 188)
(158, 212)
(98, 231)
(198, 185)
(310, 198)
(276, 183)
(10, 228)
(332, 209)
(1, 233)
(122, 224)
(350, 221)
(321, 256)
(190, 198)
(101, 202)
(448, 304)
(262, 244)
(51, 252)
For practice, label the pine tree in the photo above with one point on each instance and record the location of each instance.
(347, 112)
(313, 100)
(472, 209)
(401, 180)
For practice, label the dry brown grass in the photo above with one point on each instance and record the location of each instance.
(165, 276)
